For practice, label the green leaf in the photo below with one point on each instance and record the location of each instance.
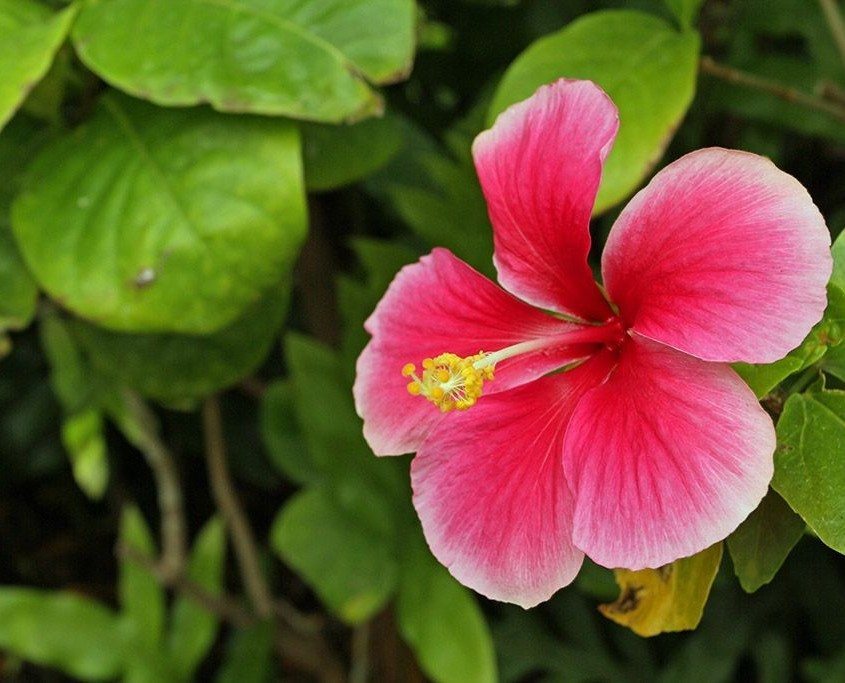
(141, 596)
(837, 277)
(809, 467)
(646, 67)
(180, 369)
(335, 156)
(331, 428)
(442, 622)
(83, 435)
(281, 434)
(193, 629)
(439, 197)
(760, 545)
(155, 220)
(671, 598)
(69, 374)
(18, 293)
(249, 656)
(685, 11)
(29, 38)
(763, 378)
(309, 60)
(338, 549)
(76, 635)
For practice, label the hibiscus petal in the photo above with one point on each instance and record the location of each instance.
(665, 458)
(723, 256)
(439, 305)
(490, 491)
(539, 167)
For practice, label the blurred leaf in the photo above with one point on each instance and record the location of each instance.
(193, 628)
(249, 656)
(809, 467)
(442, 622)
(18, 293)
(381, 262)
(143, 603)
(153, 220)
(69, 374)
(646, 67)
(337, 549)
(309, 60)
(335, 156)
(439, 198)
(670, 598)
(837, 277)
(83, 435)
(685, 11)
(331, 428)
(282, 436)
(29, 38)
(141, 596)
(181, 369)
(71, 633)
(760, 545)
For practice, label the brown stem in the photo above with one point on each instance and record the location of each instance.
(141, 429)
(833, 17)
(742, 78)
(240, 531)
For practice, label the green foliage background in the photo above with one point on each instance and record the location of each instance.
(200, 203)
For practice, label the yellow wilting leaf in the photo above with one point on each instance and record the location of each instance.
(670, 598)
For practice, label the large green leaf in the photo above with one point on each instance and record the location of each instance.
(336, 547)
(192, 627)
(442, 622)
(71, 633)
(309, 60)
(809, 467)
(155, 220)
(179, 369)
(646, 66)
(29, 38)
(760, 545)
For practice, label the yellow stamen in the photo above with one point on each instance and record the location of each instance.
(449, 381)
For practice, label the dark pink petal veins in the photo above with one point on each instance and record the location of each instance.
(539, 167)
(490, 491)
(439, 305)
(665, 458)
(722, 256)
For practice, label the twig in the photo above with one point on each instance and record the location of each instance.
(243, 540)
(727, 73)
(224, 606)
(360, 671)
(833, 17)
(142, 430)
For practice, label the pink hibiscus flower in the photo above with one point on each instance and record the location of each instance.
(581, 419)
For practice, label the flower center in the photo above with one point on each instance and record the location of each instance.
(452, 382)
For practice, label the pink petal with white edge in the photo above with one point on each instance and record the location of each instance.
(490, 491)
(540, 166)
(723, 256)
(665, 458)
(439, 305)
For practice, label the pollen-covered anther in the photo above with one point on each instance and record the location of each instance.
(449, 381)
